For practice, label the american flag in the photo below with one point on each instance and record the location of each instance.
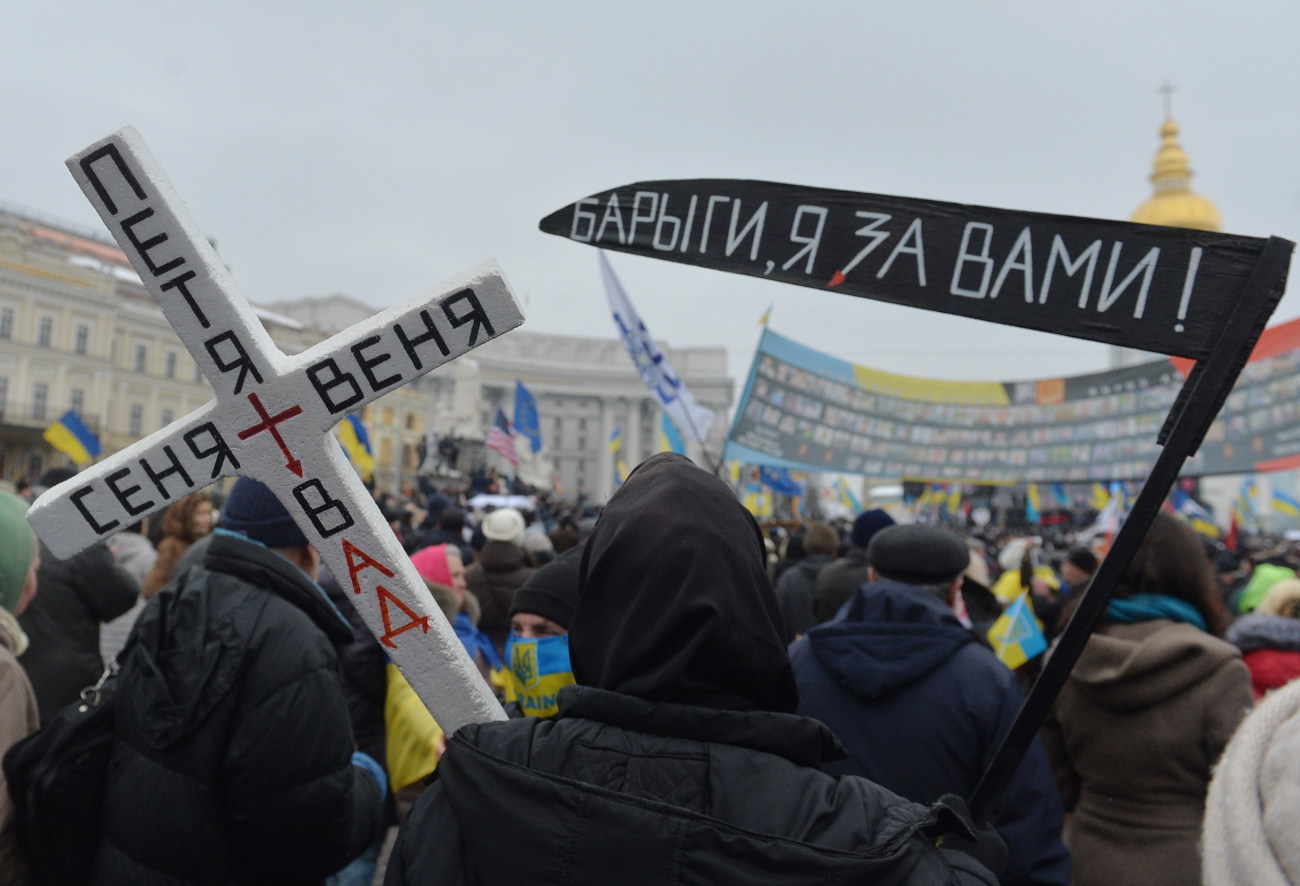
(501, 439)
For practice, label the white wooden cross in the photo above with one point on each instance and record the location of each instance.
(272, 416)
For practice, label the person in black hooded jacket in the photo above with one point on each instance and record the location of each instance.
(234, 759)
(677, 758)
(920, 705)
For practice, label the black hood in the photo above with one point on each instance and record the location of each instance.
(890, 635)
(674, 601)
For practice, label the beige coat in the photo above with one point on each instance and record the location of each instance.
(1132, 738)
(18, 719)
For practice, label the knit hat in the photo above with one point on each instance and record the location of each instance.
(53, 477)
(431, 563)
(867, 525)
(1084, 559)
(16, 547)
(253, 510)
(538, 542)
(552, 591)
(918, 554)
(1282, 599)
(504, 524)
(1261, 582)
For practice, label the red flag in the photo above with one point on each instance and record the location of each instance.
(1230, 542)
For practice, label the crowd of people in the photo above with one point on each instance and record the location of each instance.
(690, 698)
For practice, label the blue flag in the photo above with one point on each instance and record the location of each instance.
(779, 481)
(526, 421)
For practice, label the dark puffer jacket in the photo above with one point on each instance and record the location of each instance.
(233, 756)
(62, 622)
(623, 790)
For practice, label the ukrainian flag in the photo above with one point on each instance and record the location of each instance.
(537, 672)
(1033, 504)
(1099, 497)
(670, 439)
(616, 450)
(1285, 504)
(73, 439)
(356, 443)
(1016, 636)
(847, 498)
(953, 504)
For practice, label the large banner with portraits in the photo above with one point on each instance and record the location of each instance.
(806, 409)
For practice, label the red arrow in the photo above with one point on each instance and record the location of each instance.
(269, 423)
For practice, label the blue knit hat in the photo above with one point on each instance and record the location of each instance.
(867, 525)
(253, 510)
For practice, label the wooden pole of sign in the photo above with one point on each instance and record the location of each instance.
(1205, 391)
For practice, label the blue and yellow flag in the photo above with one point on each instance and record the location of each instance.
(1191, 510)
(1285, 504)
(1016, 636)
(1099, 497)
(953, 503)
(1033, 505)
(615, 448)
(1244, 504)
(847, 498)
(73, 439)
(356, 443)
(539, 669)
(670, 439)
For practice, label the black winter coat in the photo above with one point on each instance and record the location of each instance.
(74, 597)
(837, 582)
(365, 673)
(794, 591)
(624, 790)
(233, 754)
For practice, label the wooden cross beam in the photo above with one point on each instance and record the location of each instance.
(272, 417)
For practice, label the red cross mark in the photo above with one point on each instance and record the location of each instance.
(269, 423)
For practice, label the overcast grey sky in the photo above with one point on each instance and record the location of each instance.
(373, 149)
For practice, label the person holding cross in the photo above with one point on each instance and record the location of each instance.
(234, 758)
(678, 756)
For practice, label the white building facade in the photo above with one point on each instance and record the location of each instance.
(78, 331)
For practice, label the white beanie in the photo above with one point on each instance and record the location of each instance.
(1013, 554)
(504, 524)
(1251, 834)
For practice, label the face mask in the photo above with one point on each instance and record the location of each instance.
(538, 669)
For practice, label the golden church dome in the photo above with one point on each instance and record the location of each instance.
(1173, 202)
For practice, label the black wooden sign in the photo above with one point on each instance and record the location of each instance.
(1181, 292)
(1160, 289)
